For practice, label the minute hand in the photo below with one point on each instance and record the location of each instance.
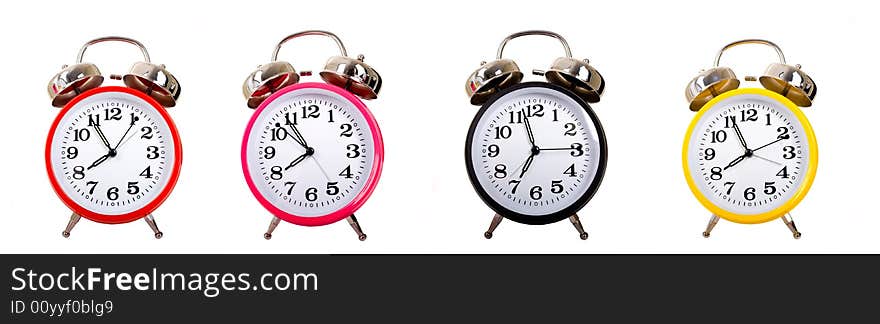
(771, 143)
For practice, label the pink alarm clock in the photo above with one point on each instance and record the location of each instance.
(312, 152)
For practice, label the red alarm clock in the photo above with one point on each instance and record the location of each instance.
(113, 154)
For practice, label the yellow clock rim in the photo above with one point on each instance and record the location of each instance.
(801, 191)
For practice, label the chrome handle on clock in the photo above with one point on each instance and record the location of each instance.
(531, 33)
(750, 41)
(342, 50)
(82, 50)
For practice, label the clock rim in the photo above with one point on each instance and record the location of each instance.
(564, 213)
(795, 199)
(359, 200)
(149, 207)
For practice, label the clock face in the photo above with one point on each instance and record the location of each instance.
(310, 152)
(113, 153)
(749, 154)
(536, 151)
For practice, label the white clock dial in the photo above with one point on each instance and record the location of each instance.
(748, 154)
(112, 153)
(326, 173)
(543, 178)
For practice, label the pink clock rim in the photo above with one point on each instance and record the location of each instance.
(149, 207)
(358, 201)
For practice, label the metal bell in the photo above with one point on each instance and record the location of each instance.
(790, 82)
(490, 78)
(155, 81)
(710, 84)
(578, 76)
(353, 75)
(73, 80)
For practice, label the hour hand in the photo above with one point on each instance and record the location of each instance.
(735, 162)
(296, 161)
(99, 161)
(526, 166)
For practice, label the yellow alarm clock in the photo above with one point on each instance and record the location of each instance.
(750, 154)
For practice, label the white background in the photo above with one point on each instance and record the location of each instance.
(647, 51)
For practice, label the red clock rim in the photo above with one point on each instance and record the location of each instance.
(358, 201)
(143, 211)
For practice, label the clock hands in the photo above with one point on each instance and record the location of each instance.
(528, 128)
(134, 119)
(740, 136)
(297, 160)
(101, 135)
(780, 138)
(293, 136)
(735, 161)
(557, 149)
(101, 160)
(111, 150)
(766, 159)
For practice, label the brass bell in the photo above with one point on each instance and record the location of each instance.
(348, 73)
(144, 76)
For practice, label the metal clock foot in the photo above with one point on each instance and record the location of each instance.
(152, 223)
(578, 226)
(712, 222)
(789, 222)
(272, 225)
(492, 226)
(356, 227)
(74, 218)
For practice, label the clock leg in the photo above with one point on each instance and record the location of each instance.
(152, 223)
(74, 218)
(356, 227)
(272, 226)
(492, 226)
(712, 222)
(789, 221)
(578, 226)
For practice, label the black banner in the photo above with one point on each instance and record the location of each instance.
(450, 288)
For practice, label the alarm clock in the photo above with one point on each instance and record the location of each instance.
(750, 154)
(535, 152)
(312, 152)
(113, 154)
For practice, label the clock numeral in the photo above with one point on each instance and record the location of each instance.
(748, 115)
(749, 194)
(569, 129)
(332, 188)
(536, 193)
(783, 173)
(570, 171)
(312, 194)
(269, 152)
(516, 117)
(146, 173)
(556, 186)
(93, 184)
(290, 189)
(152, 152)
(789, 152)
(719, 136)
(275, 173)
(715, 173)
(81, 135)
(346, 173)
(353, 151)
(729, 121)
(330, 112)
(555, 115)
(113, 114)
(768, 119)
(79, 172)
(147, 132)
(577, 149)
(133, 188)
(494, 150)
(500, 171)
(709, 154)
(72, 152)
(346, 130)
(769, 188)
(730, 188)
(515, 184)
(279, 134)
(310, 112)
(783, 133)
(287, 120)
(94, 120)
(113, 193)
(502, 132)
(536, 110)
